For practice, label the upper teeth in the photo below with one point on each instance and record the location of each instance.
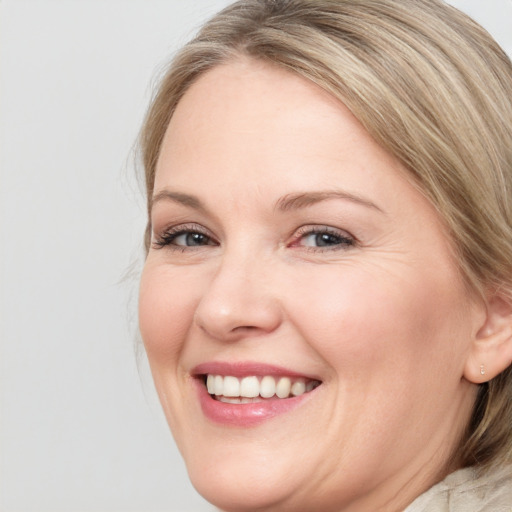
(251, 387)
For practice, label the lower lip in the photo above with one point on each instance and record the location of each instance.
(244, 415)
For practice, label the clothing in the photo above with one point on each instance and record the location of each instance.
(465, 491)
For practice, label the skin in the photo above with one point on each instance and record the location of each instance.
(386, 322)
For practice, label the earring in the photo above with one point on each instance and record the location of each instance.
(482, 369)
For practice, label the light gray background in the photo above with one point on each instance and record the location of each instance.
(79, 431)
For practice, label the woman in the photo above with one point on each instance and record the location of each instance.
(326, 302)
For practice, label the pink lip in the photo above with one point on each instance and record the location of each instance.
(243, 415)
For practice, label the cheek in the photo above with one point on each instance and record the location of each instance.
(395, 355)
(362, 321)
(166, 309)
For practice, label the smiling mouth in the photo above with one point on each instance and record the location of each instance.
(253, 389)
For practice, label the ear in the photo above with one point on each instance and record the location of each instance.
(491, 350)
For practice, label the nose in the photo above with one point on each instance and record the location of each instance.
(239, 301)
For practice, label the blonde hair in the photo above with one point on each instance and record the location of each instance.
(432, 87)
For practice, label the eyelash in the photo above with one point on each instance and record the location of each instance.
(342, 239)
(167, 238)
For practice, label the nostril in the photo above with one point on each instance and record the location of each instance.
(245, 328)
(230, 331)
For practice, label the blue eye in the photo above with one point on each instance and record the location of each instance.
(323, 238)
(183, 237)
(190, 239)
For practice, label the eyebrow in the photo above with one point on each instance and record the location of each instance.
(301, 200)
(284, 204)
(178, 197)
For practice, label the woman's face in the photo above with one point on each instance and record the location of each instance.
(289, 250)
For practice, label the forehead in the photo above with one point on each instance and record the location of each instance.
(264, 88)
(249, 116)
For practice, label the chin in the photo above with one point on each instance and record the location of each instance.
(241, 494)
(238, 478)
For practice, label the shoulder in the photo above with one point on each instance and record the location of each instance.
(468, 491)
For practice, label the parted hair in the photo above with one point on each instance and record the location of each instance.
(433, 88)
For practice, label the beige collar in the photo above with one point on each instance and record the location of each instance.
(465, 491)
